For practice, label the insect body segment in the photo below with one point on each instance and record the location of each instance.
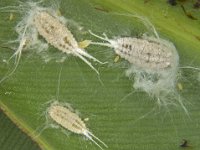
(54, 32)
(66, 119)
(144, 53)
(71, 121)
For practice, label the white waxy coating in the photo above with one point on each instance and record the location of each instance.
(55, 32)
(144, 53)
(153, 62)
(67, 119)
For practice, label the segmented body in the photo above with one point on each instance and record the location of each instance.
(58, 35)
(54, 32)
(67, 119)
(144, 53)
(71, 121)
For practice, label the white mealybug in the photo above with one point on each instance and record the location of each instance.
(153, 62)
(59, 36)
(47, 23)
(67, 119)
(149, 54)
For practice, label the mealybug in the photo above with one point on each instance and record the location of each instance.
(153, 62)
(146, 53)
(58, 35)
(67, 119)
(47, 23)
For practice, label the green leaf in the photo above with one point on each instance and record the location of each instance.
(121, 122)
(12, 137)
